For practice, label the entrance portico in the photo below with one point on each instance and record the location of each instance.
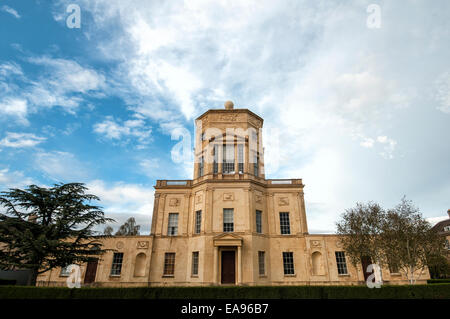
(227, 259)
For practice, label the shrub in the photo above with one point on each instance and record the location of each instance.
(438, 281)
(7, 282)
(434, 291)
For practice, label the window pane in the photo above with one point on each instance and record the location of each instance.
(288, 263)
(285, 227)
(65, 271)
(198, 221)
(173, 224)
(341, 262)
(261, 262)
(228, 223)
(255, 164)
(195, 263)
(116, 267)
(169, 264)
(201, 166)
(228, 159)
(241, 158)
(258, 221)
(216, 159)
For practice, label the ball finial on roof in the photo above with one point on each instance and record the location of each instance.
(229, 105)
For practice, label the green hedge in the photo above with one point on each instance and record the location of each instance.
(438, 281)
(7, 282)
(435, 291)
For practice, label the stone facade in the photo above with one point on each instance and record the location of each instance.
(229, 225)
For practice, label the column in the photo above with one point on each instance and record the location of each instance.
(155, 214)
(215, 264)
(239, 280)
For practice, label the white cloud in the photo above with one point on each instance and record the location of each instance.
(116, 130)
(388, 148)
(13, 179)
(10, 68)
(61, 166)
(11, 11)
(367, 142)
(63, 78)
(61, 82)
(122, 200)
(442, 92)
(19, 140)
(70, 76)
(17, 108)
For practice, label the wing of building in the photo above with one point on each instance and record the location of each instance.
(229, 225)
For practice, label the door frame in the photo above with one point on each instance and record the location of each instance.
(366, 261)
(95, 271)
(221, 250)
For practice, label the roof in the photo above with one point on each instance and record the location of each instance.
(230, 111)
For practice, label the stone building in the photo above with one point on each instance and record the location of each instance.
(228, 225)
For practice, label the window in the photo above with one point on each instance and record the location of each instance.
(228, 224)
(288, 263)
(259, 221)
(228, 159)
(201, 166)
(169, 264)
(255, 164)
(116, 267)
(65, 271)
(172, 229)
(447, 244)
(285, 227)
(341, 263)
(262, 263)
(216, 161)
(254, 136)
(447, 228)
(241, 158)
(198, 221)
(195, 263)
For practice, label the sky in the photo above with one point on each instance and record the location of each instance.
(355, 96)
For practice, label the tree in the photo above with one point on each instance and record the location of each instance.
(129, 228)
(108, 231)
(399, 238)
(360, 228)
(43, 228)
(409, 241)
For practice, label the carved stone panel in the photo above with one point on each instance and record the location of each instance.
(283, 201)
(142, 245)
(174, 202)
(228, 196)
(119, 245)
(228, 117)
(315, 243)
(198, 198)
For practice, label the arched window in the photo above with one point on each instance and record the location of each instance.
(317, 263)
(139, 265)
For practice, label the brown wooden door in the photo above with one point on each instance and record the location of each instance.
(365, 262)
(228, 267)
(91, 271)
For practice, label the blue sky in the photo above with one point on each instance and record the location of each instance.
(359, 113)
